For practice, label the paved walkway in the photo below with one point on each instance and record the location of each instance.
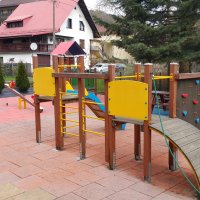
(31, 171)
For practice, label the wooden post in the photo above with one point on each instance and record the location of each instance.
(137, 137)
(147, 131)
(57, 111)
(37, 107)
(82, 119)
(109, 128)
(80, 62)
(172, 113)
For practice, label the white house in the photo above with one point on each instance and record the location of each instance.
(29, 29)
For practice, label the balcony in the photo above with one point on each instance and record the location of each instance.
(24, 47)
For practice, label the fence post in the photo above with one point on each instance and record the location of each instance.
(137, 136)
(37, 106)
(147, 131)
(172, 112)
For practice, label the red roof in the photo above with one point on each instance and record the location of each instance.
(40, 20)
(70, 47)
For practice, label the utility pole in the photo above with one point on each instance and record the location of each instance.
(54, 23)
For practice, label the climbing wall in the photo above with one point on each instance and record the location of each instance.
(188, 101)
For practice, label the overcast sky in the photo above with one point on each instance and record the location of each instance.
(91, 3)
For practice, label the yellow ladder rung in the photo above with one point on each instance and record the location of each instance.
(162, 77)
(72, 134)
(91, 117)
(69, 120)
(94, 132)
(68, 113)
(118, 77)
(70, 126)
(69, 107)
(90, 102)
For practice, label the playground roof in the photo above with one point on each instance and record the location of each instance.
(41, 17)
(68, 48)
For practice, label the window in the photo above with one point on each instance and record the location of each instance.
(15, 24)
(82, 44)
(69, 23)
(81, 26)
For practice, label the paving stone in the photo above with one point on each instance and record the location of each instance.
(129, 194)
(27, 171)
(37, 194)
(115, 183)
(70, 196)
(31, 182)
(147, 188)
(93, 191)
(9, 190)
(8, 177)
(60, 187)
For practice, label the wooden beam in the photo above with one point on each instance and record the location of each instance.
(57, 113)
(137, 136)
(147, 131)
(37, 107)
(82, 120)
(183, 76)
(172, 112)
(110, 129)
(80, 75)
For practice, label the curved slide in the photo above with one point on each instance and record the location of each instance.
(186, 138)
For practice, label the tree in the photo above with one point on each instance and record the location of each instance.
(157, 30)
(2, 81)
(22, 81)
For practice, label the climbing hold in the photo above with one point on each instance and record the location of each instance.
(197, 82)
(185, 95)
(195, 102)
(185, 113)
(197, 120)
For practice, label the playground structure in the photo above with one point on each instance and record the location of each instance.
(137, 98)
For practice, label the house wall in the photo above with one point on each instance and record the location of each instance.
(77, 15)
(113, 51)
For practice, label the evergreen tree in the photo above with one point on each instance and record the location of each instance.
(157, 30)
(22, 81)
(2, 81)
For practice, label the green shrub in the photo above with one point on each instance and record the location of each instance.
(22, 81)
(2, 81)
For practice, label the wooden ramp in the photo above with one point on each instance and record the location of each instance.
(185, 137)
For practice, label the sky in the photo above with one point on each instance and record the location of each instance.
(91, 3)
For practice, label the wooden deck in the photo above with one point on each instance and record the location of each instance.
(184, 136)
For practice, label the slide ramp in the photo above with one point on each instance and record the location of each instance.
(185, 137)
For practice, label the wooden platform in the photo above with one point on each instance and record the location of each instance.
(185, 137)
(66, 98)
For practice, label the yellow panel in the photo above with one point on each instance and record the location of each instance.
(43, 82)
(128, 99)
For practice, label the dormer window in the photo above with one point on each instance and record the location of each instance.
(69, 23)
(15, 24)
(81, 26)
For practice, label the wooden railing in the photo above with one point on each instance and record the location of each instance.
(24, 47)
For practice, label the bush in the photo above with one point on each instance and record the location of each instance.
(22, 81)
(2, 81)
